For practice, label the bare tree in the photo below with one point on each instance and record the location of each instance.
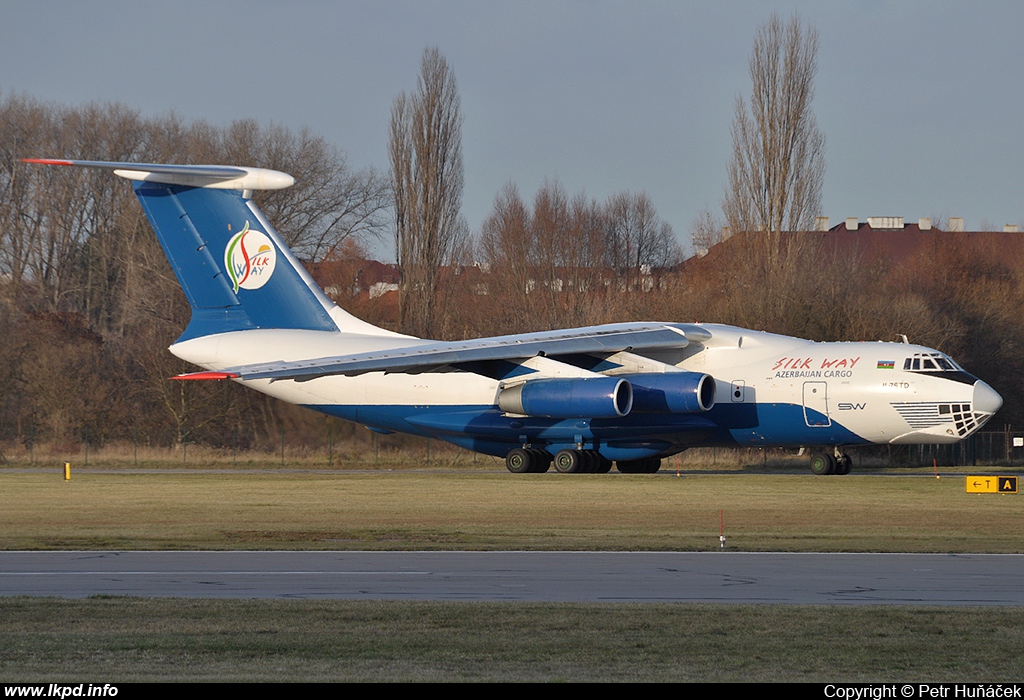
(329, 203)
(85, 289)
(508, 247)
(22, 121)
(637, 236)
(778, 160)
(425, 148)
(705, 231)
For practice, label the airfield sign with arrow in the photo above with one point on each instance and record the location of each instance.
(991, 484)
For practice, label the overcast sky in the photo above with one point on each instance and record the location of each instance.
(920, 102)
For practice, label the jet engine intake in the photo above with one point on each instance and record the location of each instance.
(672, 392)
(592, 397)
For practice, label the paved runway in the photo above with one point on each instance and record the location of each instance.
(721, 577)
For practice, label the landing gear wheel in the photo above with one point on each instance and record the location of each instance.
(639, 466)
(603, 465)
(568, 462)
(823, 464)
(520, 461)
(542, 461)
(588, 462)
(843, 464)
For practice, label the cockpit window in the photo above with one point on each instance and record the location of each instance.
(930, 362)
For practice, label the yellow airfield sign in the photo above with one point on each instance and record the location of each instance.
(991, 484)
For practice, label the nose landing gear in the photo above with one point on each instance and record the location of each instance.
(824, 464)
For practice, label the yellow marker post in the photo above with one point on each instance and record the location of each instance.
(991, 484)
(67, 471)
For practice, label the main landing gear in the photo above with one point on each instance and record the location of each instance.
(529, 461)
(524, 461)
(581, 462)
(640, 466)
(824, 464)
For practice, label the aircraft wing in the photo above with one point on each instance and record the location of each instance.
(433, 355)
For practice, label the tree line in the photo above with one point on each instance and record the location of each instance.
(88, 301)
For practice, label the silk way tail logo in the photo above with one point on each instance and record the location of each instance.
(250, 259)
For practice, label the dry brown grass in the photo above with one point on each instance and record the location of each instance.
(116, 640)
(391, 452)
(487, 511)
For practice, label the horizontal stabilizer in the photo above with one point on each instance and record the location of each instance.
(227, 177)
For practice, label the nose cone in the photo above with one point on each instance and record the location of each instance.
(986, 400)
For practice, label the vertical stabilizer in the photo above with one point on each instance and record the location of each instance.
(234, 268)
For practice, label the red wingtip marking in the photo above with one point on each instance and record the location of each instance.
(197, 376)
(47, 161)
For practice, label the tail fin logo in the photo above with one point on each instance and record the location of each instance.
(250, 259)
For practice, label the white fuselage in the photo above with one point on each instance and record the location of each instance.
(770, 389)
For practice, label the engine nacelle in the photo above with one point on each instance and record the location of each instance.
(593, 397)
(672, 392)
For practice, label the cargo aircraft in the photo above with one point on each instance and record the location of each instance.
(582, 398)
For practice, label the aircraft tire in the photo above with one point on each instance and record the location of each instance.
(844, 464)
(823, 464)
(568, 462)
(586, 462)
(520, 461)
(603, 465)
(639, 466)
(542, 461)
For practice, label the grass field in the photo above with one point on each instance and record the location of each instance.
(495, 510)
(122, 639)
(116, 640)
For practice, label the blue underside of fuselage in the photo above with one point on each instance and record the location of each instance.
(636, 436)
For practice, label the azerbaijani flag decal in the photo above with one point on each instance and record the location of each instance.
(886, 364)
